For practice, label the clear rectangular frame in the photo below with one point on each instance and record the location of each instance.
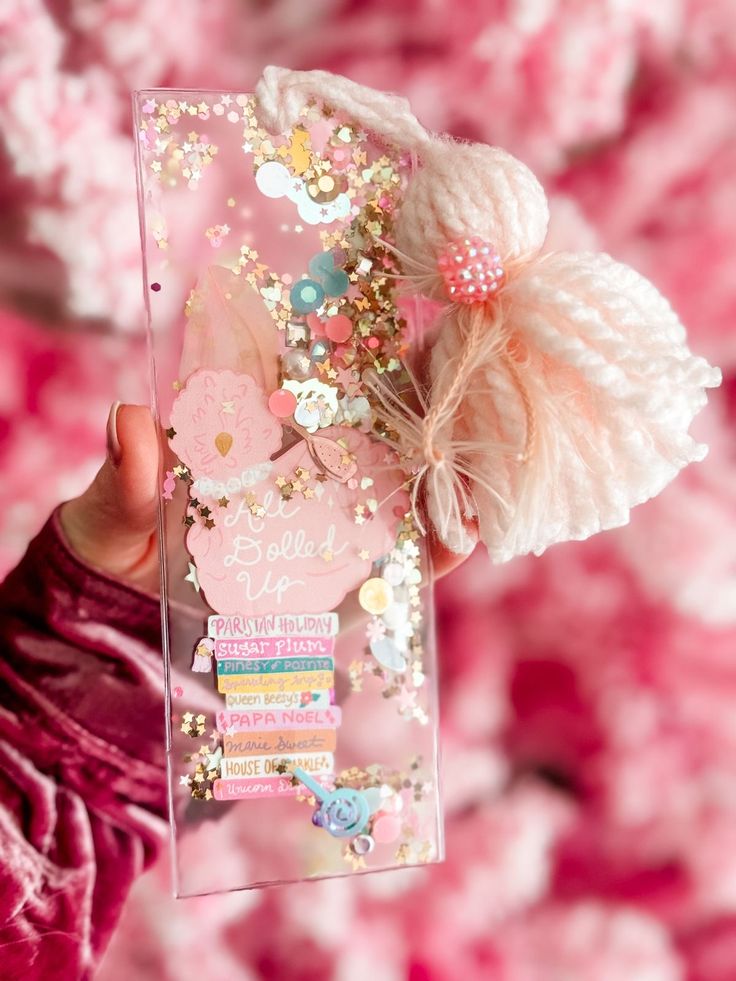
(298, 632)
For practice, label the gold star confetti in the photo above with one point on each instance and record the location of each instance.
(355, 673)
(355, 861)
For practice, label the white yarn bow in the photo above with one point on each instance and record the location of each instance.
(556, 405)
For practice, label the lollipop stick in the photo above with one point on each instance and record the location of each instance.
(317, 789)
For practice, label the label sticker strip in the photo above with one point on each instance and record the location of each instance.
(278, 689)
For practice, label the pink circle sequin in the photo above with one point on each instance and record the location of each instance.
(282, 403)
(339, 328)
(471, 270)
(387, 828)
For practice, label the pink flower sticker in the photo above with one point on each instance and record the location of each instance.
(301, 554)
(223, 426)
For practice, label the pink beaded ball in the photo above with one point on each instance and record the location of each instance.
(471, 270)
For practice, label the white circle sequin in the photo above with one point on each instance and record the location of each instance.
(272, 179)
(393, 573)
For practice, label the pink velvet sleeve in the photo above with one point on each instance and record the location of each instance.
(82, 765)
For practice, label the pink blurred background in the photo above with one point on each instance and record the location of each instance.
(589, 697)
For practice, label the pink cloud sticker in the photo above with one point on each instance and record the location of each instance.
(304, 554)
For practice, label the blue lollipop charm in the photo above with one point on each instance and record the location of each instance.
(343, 812)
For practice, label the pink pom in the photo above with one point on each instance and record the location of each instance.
(471, 270)
(339, 328)
(282, 403)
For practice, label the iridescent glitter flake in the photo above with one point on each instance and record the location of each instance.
(393, 633)
(206, 770)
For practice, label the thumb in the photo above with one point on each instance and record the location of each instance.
(112, 525)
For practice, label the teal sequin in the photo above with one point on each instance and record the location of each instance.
(306, 296)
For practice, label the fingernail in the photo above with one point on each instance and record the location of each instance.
(114, 450)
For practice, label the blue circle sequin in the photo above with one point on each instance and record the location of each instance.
(306, 296)
(322, 268)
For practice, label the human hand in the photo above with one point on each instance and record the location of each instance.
(112, 525)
